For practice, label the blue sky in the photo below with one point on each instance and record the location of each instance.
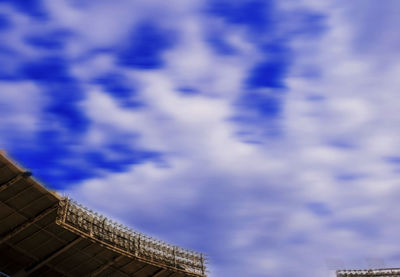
(263, 133)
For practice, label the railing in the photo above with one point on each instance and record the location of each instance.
(386, 272)
(93, 225)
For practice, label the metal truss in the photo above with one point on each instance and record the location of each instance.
(388, 272)
(83, 221)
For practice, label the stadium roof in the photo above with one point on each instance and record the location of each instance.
(44, 234)
(386, 272)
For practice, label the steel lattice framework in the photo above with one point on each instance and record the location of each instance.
(85, 222)
(388, 272)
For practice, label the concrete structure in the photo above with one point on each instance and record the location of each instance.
(44, 234)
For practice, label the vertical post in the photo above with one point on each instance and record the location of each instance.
(152, 246)
(174, 251)
(202, 263)
(132, 244)
(65, 210)
(91, 227)
(139, 246)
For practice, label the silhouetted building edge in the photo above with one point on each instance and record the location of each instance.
(44, 234)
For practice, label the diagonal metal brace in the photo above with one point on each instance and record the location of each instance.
(27, 271)
(26, 224)
(158, 273)
(22, 175)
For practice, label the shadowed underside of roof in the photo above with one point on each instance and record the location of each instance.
(43, 234)
(386, 272)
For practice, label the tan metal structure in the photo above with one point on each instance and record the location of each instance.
(44, 234)
(386, 272)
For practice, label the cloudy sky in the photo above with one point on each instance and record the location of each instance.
(263, 133)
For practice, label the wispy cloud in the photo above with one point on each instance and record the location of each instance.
(260, 132)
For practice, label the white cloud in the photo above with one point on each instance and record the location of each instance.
(21, 106)
(251, 200)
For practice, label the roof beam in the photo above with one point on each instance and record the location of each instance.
(140, 269)
(26, 224)
(105, 266)
(27, 218)
(158, 272)
(22, 175)
(66, 259)
(100, 261)
(3, 166)
(30, 269)
(20, 212)
(22, 251)
(94, 257)
(19, 193)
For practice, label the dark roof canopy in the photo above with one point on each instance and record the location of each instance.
(44, 234)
